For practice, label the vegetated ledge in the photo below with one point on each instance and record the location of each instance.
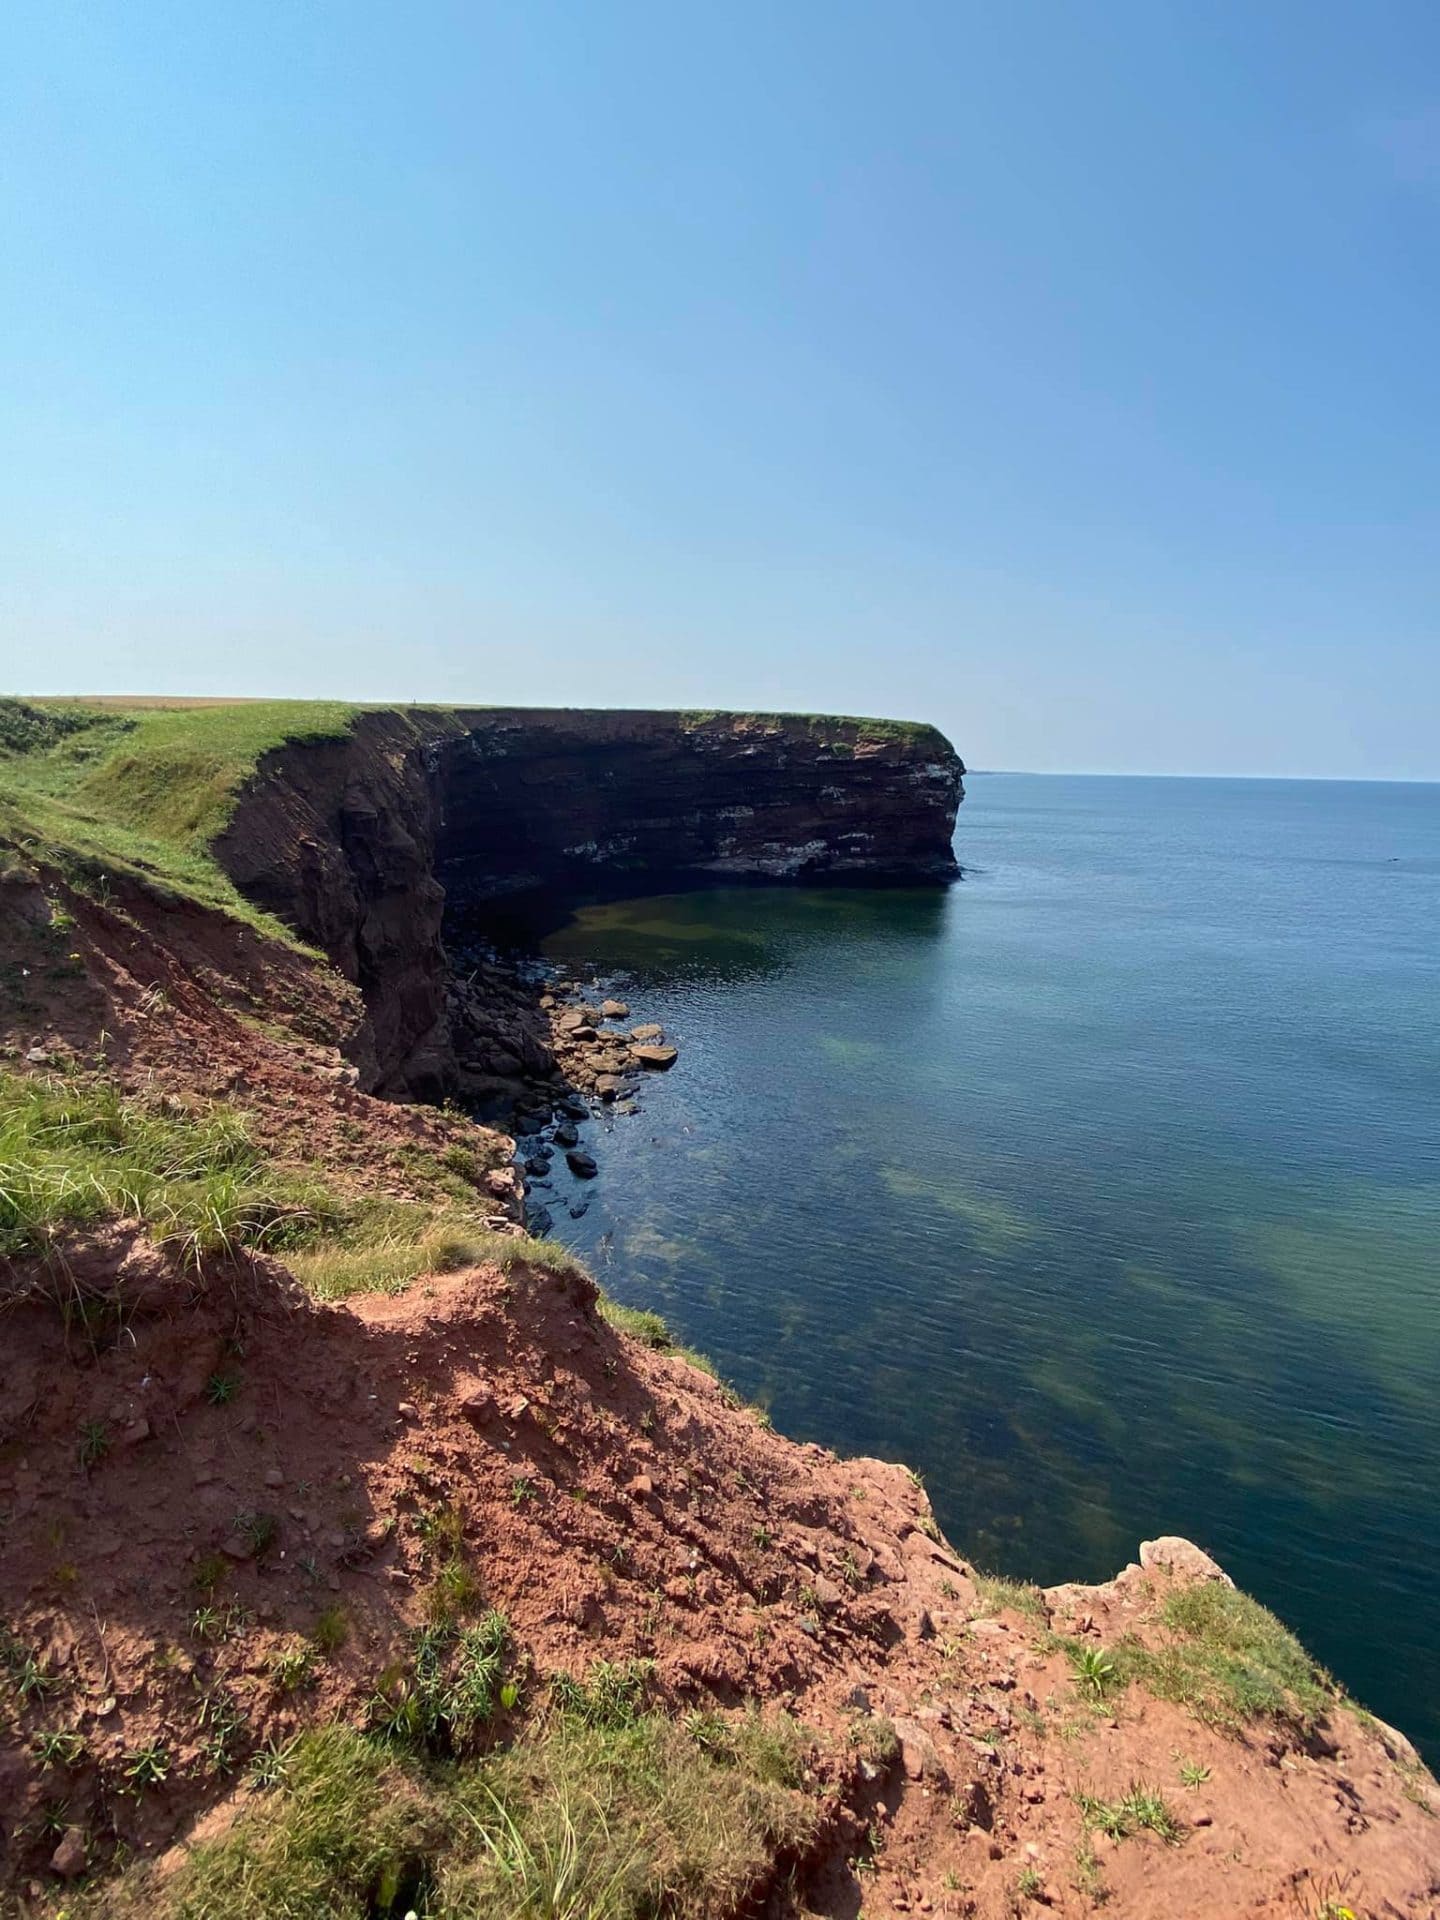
(356, 841)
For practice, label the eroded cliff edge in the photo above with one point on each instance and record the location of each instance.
(356, 842)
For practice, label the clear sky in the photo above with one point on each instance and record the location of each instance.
(1063, 373)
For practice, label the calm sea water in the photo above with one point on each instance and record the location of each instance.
(1104, 1188)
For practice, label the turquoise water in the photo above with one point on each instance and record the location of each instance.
(1103, 1188)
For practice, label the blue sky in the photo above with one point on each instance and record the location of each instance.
(1065, 374)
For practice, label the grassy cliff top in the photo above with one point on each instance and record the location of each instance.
(139, 789)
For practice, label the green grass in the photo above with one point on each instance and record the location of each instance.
(384, 1248)
(440, 1699)
(1139, 1810)
(651, 1331)
(75, 1153)
(574, 1823)
(997, 1594)
(106, 793)
(610, 1699)
(1228, 1660)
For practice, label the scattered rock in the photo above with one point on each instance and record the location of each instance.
(614, 1009)
(581, 1163)
(655, 1058)
(1171, 1554)
(68, 1859)
(919, 1755)
(651, 1031)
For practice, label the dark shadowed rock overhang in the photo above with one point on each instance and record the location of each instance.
(354, 843)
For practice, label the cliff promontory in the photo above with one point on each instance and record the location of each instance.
(357, 842)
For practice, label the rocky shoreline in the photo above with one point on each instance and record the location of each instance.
(542, 1051)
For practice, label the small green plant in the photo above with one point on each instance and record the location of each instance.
(221, 1389)
(146, 1767)
(442, 1530)
(875, 1737)
(454, 1592)
(292, 1666)
(711, 1733)
(1089, 1880)
(1193, 1775)
(207, 1623)
(330, 1631)
(267, 1767)
(218, 1755)
(470, 1697)
(259, 1531)
(521, 1490)
(1094, 1671)
(611, 1698)
(29, 1678)
(763, 1538)
(59, 1749)
(94, 1443)
(207, 1572)
(1031, 1883)
(53, 1820)
(995, 1594)
(1140, 1808)
(439, 1700)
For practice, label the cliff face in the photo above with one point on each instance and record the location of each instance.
(356, 843)
(556, 796)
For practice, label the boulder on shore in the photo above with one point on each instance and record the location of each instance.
(656, 1058)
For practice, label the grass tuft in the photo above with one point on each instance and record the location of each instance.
(1139, 1810)
(996, 1594)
